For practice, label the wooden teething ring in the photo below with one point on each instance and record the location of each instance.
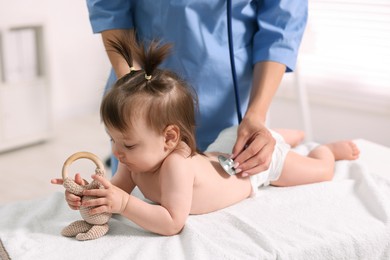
(80, 155)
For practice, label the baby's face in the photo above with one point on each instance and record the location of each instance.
(140, 148)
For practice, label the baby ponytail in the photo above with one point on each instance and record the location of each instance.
(152, 56)
(126, 46)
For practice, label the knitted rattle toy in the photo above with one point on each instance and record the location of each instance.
(93, 226)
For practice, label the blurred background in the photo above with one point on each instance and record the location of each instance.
(53, 71)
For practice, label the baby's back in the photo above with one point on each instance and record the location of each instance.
(215, 189)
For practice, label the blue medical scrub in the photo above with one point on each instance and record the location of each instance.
(268, 30)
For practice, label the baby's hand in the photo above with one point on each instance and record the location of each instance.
(73, 200)
(111, 199)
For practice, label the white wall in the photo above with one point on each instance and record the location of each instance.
(75, 60)
(334, 115)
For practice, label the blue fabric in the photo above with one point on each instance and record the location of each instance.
(114, 161)
(268, 30)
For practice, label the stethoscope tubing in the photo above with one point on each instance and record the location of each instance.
(232, 62)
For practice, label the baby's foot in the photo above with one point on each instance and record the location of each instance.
(344, 150)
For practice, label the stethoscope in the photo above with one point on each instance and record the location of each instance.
(227, 163)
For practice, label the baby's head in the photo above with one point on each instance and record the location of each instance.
(158, 97)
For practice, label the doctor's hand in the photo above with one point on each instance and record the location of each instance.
(74, 201)
(253, 150)
(111, 199)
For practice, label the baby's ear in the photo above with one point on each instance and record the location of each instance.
(172, 136)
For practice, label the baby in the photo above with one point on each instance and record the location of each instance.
(149, 115)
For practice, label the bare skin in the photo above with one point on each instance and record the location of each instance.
(181, 185)
(345, 150)
(318, 166)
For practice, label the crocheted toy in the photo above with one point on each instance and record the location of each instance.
(93, 226)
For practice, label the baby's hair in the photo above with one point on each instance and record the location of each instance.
(153, 56)
(125, 49)
(158, 95)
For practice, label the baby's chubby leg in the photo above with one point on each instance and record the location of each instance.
(317, 166)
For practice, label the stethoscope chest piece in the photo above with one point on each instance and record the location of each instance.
(227, 164)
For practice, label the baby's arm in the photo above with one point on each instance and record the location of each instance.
(122, 179)
(176, 183)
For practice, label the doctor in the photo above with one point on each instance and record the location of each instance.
(266, 34)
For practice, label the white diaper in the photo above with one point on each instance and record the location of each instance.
(225, 142)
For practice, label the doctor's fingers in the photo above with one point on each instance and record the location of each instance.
(239, 146)
(258, 162)
(255, 147)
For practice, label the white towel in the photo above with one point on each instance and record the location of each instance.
(347, 218)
